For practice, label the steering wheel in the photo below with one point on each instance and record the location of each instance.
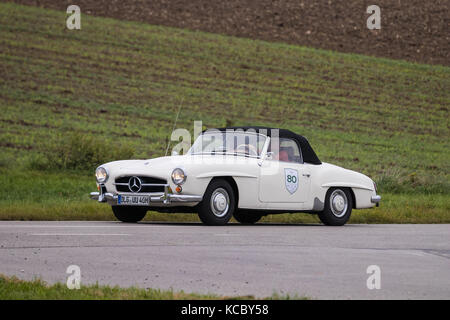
(248, 148)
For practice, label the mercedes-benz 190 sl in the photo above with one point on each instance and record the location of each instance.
(245, 173)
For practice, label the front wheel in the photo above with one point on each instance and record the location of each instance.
(218, 203)
(129, 213)
(338, 207)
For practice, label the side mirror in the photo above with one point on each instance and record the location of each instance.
(174, 153)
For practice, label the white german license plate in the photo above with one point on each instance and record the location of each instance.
(133, 200)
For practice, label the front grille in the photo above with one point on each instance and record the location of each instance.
(122, 184)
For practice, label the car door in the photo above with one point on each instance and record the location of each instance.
(283, 177)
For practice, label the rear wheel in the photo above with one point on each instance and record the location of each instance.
(218, 203)
(246, 217)
(338, 207)
(129, 213)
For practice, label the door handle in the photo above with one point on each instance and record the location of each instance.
(306, 175)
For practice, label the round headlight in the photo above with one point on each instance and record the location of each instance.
(178, 176)
(101, 174)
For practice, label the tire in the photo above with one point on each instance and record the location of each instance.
(338, 207)
(129, 213)
(218, 204)
(246, 217)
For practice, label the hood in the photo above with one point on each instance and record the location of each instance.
(157, 167)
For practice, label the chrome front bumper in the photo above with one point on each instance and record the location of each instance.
(164, 198)
(376, 199)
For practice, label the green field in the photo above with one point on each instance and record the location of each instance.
(12, 288)
(122, 82)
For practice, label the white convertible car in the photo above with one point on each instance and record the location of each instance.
(242, 172)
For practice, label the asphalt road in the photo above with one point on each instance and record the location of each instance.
(307, 260)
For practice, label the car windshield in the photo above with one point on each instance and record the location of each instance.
(238, 143)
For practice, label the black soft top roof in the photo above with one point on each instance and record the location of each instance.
(307, 151)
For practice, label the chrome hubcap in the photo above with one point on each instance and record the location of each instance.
(220, 202)
(338, 203)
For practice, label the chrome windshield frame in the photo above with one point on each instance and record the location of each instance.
(262, 153)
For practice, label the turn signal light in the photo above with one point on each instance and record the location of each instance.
(178, 189)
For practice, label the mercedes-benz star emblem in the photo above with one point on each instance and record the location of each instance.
(134, 184)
